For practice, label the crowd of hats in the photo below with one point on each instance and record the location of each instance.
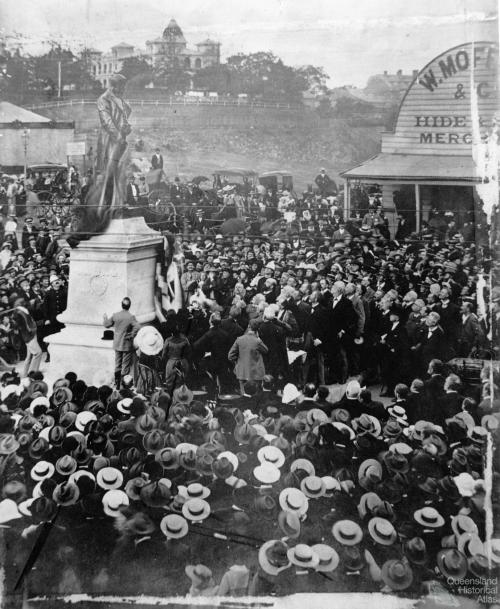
(306, 492)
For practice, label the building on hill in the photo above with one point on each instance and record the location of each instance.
(173, 48)
(105, 64)
(390, 86)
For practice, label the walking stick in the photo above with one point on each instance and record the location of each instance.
(37, 548)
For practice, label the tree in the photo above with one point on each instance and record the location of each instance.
(263, 75)
(171, 77)
(214, 78)
(316, 78)
(74, 71)
(135, 66)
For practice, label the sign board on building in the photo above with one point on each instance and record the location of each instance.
(436, 113)
(75, 149)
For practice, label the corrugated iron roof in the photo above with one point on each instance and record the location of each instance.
(414, 166)
(10, 113)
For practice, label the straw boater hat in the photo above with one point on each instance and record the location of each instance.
(42, 470)
(328, 557)
(368, 503)
(347, 532)
(312, 487)
(82, 418)
(289, 523)
(149, 340)
(331, 485)
(429, 518)
(195, 490)
(463, 524)
(109, 478)
(113, 500)
(266, 473)
(9, 511)
(271, 455)
(470, 544)
(303, 556)
(124, 405)
(293, 500)
(231, 457)
(382, 531)
(273, 557)
(303, 464)
(196, 510)
(174, 526)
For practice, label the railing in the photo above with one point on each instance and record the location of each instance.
(175, 101)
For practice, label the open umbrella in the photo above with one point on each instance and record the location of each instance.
(198, 179)
(233, 226)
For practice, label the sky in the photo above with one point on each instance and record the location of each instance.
(350, 39)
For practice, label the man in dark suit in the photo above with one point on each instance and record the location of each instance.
(157, 160)
(396, 360)
(434, 387)
(315, 338)
(432, 345)
(450, 403)
(230, 326)
(273, 334)
(126, 327)
(55, 302)
(449, 314)
(341, 329)
(132, 192)
(416, 403)
(216, 342)
(470, 333)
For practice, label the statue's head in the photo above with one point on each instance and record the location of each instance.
(117, 83)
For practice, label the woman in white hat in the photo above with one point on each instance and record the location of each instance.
(149, 344)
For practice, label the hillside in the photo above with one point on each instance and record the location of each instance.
(197, 139)
(301, 150)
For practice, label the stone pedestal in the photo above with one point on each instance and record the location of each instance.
(103, 270)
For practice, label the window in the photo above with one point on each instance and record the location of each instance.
(105, 68)
(187, 63)
(197, 63)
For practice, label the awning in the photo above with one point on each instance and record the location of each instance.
(416, 167)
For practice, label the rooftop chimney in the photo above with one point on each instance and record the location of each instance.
(399, 72)
(414, 73)
(385, 72)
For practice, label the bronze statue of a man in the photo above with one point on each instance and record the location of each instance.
(114, 113)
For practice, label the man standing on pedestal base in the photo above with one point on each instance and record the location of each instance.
(125, 327)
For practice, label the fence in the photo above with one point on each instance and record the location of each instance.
(176, 101)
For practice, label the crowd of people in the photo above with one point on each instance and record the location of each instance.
(221, 424)
(221, 461)
(269, 493)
